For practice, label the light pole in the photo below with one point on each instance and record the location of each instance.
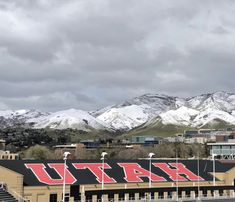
(213, 158)
(64, 180)
(177, 183)
(150, 168)
(198, 174)
(103, 154)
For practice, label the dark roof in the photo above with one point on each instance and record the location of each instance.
(86, 177)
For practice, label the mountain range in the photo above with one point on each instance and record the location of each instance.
(143, 111)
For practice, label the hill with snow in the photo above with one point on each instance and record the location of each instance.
(72, 118)
(143, 111)
(191, 112)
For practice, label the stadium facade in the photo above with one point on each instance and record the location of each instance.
(42, 181)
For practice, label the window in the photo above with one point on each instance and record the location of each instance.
(212, 192)
(66, 197)
(88, 198)
(142, 195)
(187, 193)
(221, 192)
(111, 197)
(204, 192)
(152, 195)
(99, 197)
(53, 197)
(131, 196)
(169, 194)
(121, 196)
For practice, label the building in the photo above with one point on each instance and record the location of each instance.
(60, 149)
(75, 149)
(145, 140)
(90, 144)
(9, 156)
(222, 150)
(177, 138)
(41, 181)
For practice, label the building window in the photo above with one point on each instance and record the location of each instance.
(111, 197)
(131, 196)
(53, 197)
(160, 195)
(88, 198)
(99, 197)
(66, 197)
(204, 192)
(121, 196)
(221, 192)
(142, 195)
(187, 193)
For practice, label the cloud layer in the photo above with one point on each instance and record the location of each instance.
(87, 54)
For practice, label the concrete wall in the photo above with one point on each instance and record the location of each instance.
(13, 180)
(230, 176)
(42, 193)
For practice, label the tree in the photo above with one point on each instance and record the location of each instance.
(39, 152)
(132, 153)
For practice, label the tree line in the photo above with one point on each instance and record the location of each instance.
(166, 150)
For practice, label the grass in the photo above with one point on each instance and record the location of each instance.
(161, 130)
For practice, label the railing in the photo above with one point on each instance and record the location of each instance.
(186, 198)
(16, 195)
(223, 151)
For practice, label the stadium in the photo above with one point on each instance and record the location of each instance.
(122, 180)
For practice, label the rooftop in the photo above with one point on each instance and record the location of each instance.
(221, 143)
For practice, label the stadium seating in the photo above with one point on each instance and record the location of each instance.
(6, 197)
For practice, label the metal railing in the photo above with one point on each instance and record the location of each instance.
(224, 197)
(16, 195)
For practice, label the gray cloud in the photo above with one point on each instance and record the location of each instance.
(87, 54)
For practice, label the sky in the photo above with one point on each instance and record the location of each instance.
(87, 54)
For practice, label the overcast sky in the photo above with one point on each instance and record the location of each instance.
(86, 54)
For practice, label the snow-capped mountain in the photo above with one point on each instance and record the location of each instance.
(13, 117)
(193, 111)
(180, 116)
(144, 110)
(126, 117)
(135, 112)
(72, 118)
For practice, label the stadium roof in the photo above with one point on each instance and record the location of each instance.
(116, 171)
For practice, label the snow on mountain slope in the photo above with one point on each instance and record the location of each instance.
(191, 111)
(154, 104)
(209, 115)
(220, 100)
(180, 116)
(11, 114)
(21, 114)
(125, 118)
(10, 118)
(146, 109)
(72, 118)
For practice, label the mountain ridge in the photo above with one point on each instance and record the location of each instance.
(196, 111)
